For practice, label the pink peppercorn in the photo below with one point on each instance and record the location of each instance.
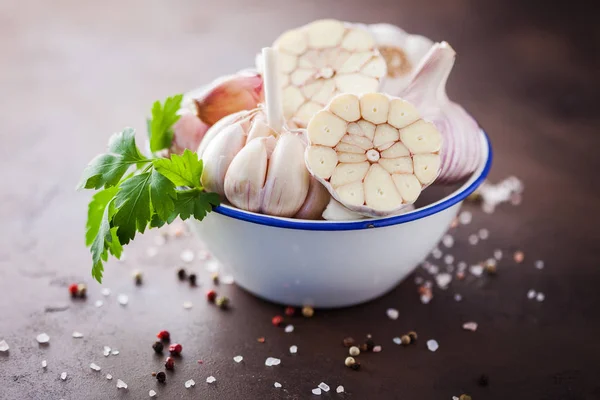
(277, 320)
(73, 289)
(170, 363)
(175, 349)
(290, 311)
(211, 295)
(164, 336)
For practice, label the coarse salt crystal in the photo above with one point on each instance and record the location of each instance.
(289, 329)
(277, 385)
(189, 383)
(203, 255)
(457, 297)
(425, 299)
(105, 292)
(539, 264)
(461, 266)
(340, 389)
(540, 296)
(123, 299)
(465, 217)
(316, 391)
(377, 349)
(227, 279)
(115, 352)
(433, 269)
(211, 379)
(531, 294)
(484, 234)
(293, 349)
(238, 359)
(448, 258)
(106, 351)
(392, 313)
(432, 345)
(476, 270)
(63, 376)
(473, 239)
(95, 367)
(212, 266)
(397, 340)
(152, 393)
(324, 387)
(43, 338)
(4, 346)
(187, 256)
(470, 326)
(77, 335)
(151, 251)
(271, 361)
(99, 303)
(187, 305)
(498, 254)
(443, 280)
(448, 241)
(109, 377)
(121, 384)
(436, 253)
(418, 280)
(44, 363)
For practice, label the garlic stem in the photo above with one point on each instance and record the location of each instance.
(436, 65)
(273, 99)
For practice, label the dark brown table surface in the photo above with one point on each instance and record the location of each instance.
(72, 72)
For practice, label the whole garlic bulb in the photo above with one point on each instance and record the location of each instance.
(260, 170)
(461, 152)
(206, 106)
(403, 53)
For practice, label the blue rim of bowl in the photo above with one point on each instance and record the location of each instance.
(289, 223)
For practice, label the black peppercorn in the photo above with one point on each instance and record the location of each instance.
(355, 366)
(181, 274)
(483, 380)
(370, 343)
(161, 377)
(413, 336)
(158, 347)
(192, 279)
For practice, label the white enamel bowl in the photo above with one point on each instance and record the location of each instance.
(329, 263)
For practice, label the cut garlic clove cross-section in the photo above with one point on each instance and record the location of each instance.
(323, 59)
(379, 164)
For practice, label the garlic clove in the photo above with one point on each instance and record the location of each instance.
(229, 95)
(379, 176)
(242, 117)
(287, 181)
(218, 156)
(346, 107)
(461, 152)
(316, 200)
(323, 59)
(327, 129)
(335, 211)
(246, 175)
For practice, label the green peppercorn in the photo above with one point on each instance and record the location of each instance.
(354, 351)
(464, 397)
(222, 302)
(215, 278)
(308, 311)
(350, 361)
(405, 340)
(137, 277)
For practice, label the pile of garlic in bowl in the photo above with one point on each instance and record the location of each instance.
(300, 175)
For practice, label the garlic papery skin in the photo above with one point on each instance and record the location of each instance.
(322, 59)
(462, 151)
(374, 153)
(204, 107)
(403, 53)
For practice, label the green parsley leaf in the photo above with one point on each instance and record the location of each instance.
(133, 207)
(184, 170)
(107, 169)
(162, 193)
(104, 236)
(164, 117)
(195, 202)
(96, 211)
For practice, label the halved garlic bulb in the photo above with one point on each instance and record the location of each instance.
(322, 59)
(374, 153)
(403, 53)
